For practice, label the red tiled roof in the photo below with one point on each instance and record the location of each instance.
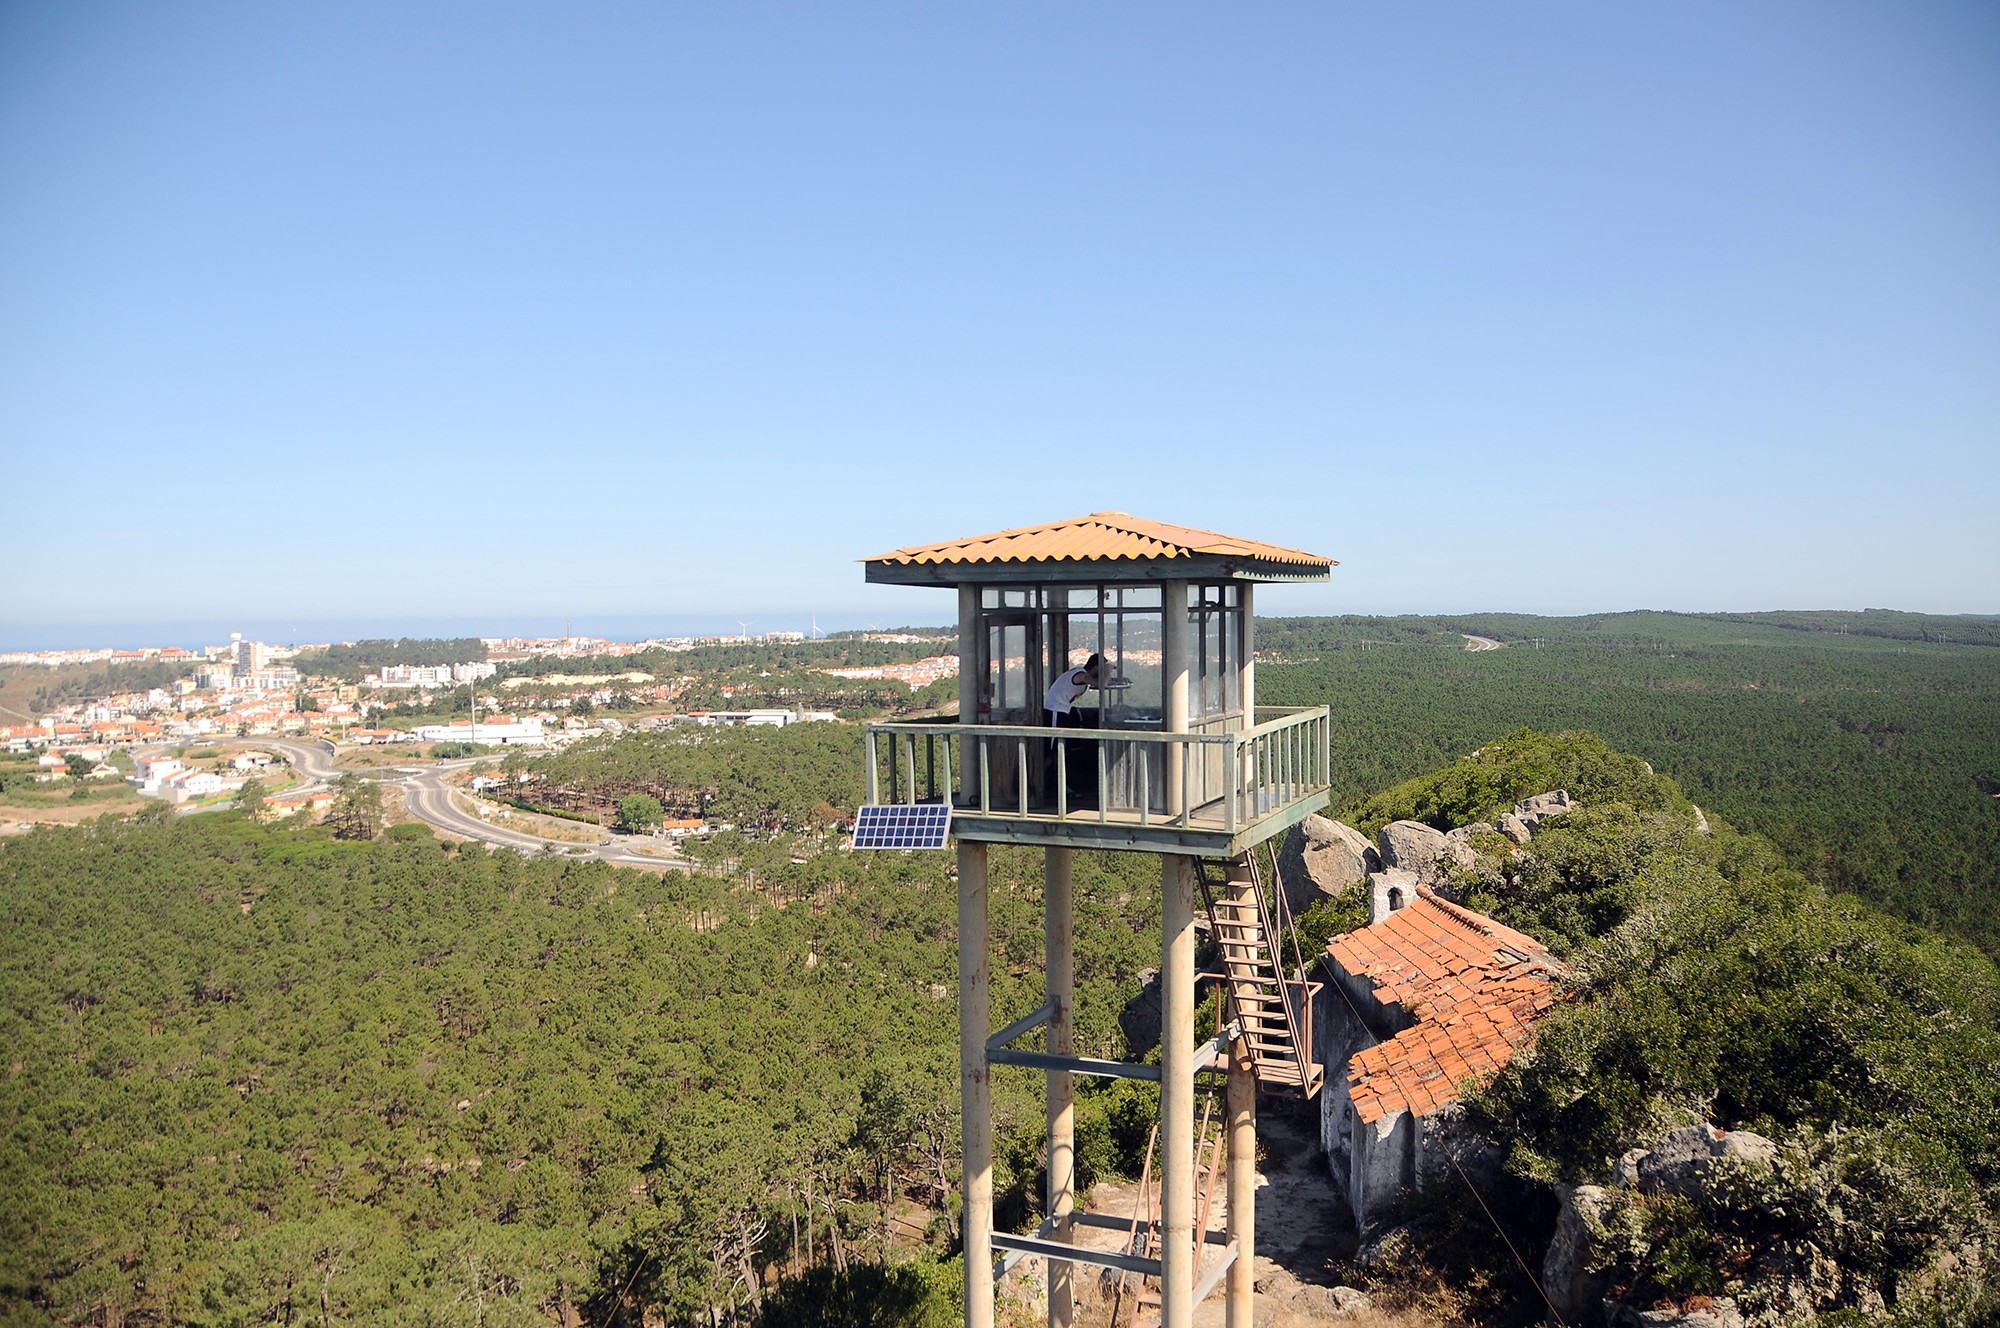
(1474, 987)
(1101, 535)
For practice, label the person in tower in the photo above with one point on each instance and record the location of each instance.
(1060, 703)
(1068, 688)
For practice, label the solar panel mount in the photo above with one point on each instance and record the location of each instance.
(901, 825)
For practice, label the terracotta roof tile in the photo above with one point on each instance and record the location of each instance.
(1100, 536)
(1475, 988)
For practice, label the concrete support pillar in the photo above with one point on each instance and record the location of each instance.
(1177, 1249)
(1058, 913)
(975, 991)
(1240, 1302)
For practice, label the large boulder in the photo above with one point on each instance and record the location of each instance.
(1684, 1162)
(1542, 807)
(1458, 846)
(1414, 847)
(1321, 859)
(1574, 1289)
(1513, 827)
(1698, 1312)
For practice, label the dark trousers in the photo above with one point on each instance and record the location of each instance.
(1079, 760)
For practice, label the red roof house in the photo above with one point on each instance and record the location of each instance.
(1422, 1005)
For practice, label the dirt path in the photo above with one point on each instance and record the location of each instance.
(1303, 1230)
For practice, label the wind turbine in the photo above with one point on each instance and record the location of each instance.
(746, 629)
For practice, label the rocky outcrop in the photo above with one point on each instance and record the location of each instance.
(1514, 828)
(1412, 846)
(1321, 859)
(1592, 1248)
(1458, 844)
(1284, 1298)
(1699, 1312)
(1687, 1160)
(1542, 807)
(1574, 1288)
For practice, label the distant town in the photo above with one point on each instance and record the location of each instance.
(283, 693)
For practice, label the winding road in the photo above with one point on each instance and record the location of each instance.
(427, 795)
(1482, 642)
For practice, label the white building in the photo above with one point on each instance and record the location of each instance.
(514, 733)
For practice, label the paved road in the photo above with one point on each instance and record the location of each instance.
(1481, 642)
(311, 759)
(427, 789)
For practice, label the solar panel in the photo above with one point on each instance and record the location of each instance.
(902, 825)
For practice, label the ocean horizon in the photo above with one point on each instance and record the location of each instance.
(193, 633)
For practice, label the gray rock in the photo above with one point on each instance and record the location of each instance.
(1572, 1287)
(1322, 1302)
(1351, 1300)
(1322, 858)
(1719, 1312)
(1542, 807)
(1412, 846)
(1701, 826)
(1458, 845)
(1514, 827)
(1391, 1247)
(1683, 1161)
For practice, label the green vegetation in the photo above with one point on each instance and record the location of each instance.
(348, 661)
(1871, 760)
(75, 686)
(639, 812)
(356, 812)
(1711, 982)
(259, 1066)
(773, 778)
(756, 675)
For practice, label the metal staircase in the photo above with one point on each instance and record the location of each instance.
(1251, 926)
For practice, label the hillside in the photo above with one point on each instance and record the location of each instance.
(1872, 760)
(1713, 985)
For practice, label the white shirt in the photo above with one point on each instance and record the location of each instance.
(1064, 691)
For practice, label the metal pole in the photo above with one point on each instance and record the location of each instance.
(1177, 1250)
(975, 989)
(1240, 1297)
(1057, 924)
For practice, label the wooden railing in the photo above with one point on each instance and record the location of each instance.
(1214, 780)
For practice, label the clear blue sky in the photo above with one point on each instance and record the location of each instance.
(454, 311)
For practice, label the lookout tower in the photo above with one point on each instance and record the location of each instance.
(1167, 753)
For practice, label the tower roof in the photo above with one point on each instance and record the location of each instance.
(1068, 549)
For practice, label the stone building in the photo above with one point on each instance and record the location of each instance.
(1421, 1005)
